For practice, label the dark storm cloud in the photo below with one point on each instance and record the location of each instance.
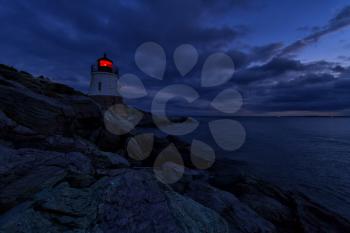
(285, 85)
(341, 20)
(254, 54)
(270, 70)
(61, 39)
(263, 53)
(344, 58)
(66, 36)
(305, 80)
(278, 69)
(311, 87)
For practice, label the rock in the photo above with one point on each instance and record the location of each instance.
(226, 172)
(289, 212)
(29, 103)
(22, 188)
(32, 110)
(87, 115)
(140, 147)
(6, 122)
(120, 119)
(107, 141)
(10, 130)
(193, 217)
(134, 202)
(58, 143)
(58, 209)
(66, 144)
(107, 160)
(40, 85)
(314, 218)
(158, 210)
(240, 217)
(189, 176)
(27, 171)
(44, 115)
(129, 201)
(70, 207)
(268, 201)
(24, 219)
(271, 208)
(24, 131)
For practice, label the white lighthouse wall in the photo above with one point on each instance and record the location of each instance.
(103, 84)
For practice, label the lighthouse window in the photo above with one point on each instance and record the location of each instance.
(99, 86)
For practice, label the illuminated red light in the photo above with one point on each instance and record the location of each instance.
(105, 63)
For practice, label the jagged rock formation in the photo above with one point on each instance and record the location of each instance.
(62, 171)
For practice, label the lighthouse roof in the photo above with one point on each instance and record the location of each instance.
(104, 64)
(105, 58)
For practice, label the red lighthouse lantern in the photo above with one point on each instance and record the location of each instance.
(105, 64)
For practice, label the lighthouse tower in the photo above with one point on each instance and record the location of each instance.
(104, 78)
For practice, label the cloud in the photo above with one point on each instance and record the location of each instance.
(297, 87)
(341, 20)
(65, 37)
(265, 52)
(270, 70)
(61, 39)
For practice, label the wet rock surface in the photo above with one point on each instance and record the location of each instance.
(61, 170)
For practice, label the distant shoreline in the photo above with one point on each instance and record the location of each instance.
(233, 116)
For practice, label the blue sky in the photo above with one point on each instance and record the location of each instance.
(292, 57)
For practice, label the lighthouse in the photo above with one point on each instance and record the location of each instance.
(104, 78)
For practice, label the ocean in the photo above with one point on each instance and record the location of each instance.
(306, 154)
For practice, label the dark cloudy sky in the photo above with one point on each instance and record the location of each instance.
(292, 57)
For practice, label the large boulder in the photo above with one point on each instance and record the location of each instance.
(314, 218)
(135, 202)
(193, 217)
(240, 217)
(128, 201)
(288, 211)
(25, 172)
(107, 160)
(28, 102)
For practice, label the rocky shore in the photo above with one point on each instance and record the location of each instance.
(62, 171)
